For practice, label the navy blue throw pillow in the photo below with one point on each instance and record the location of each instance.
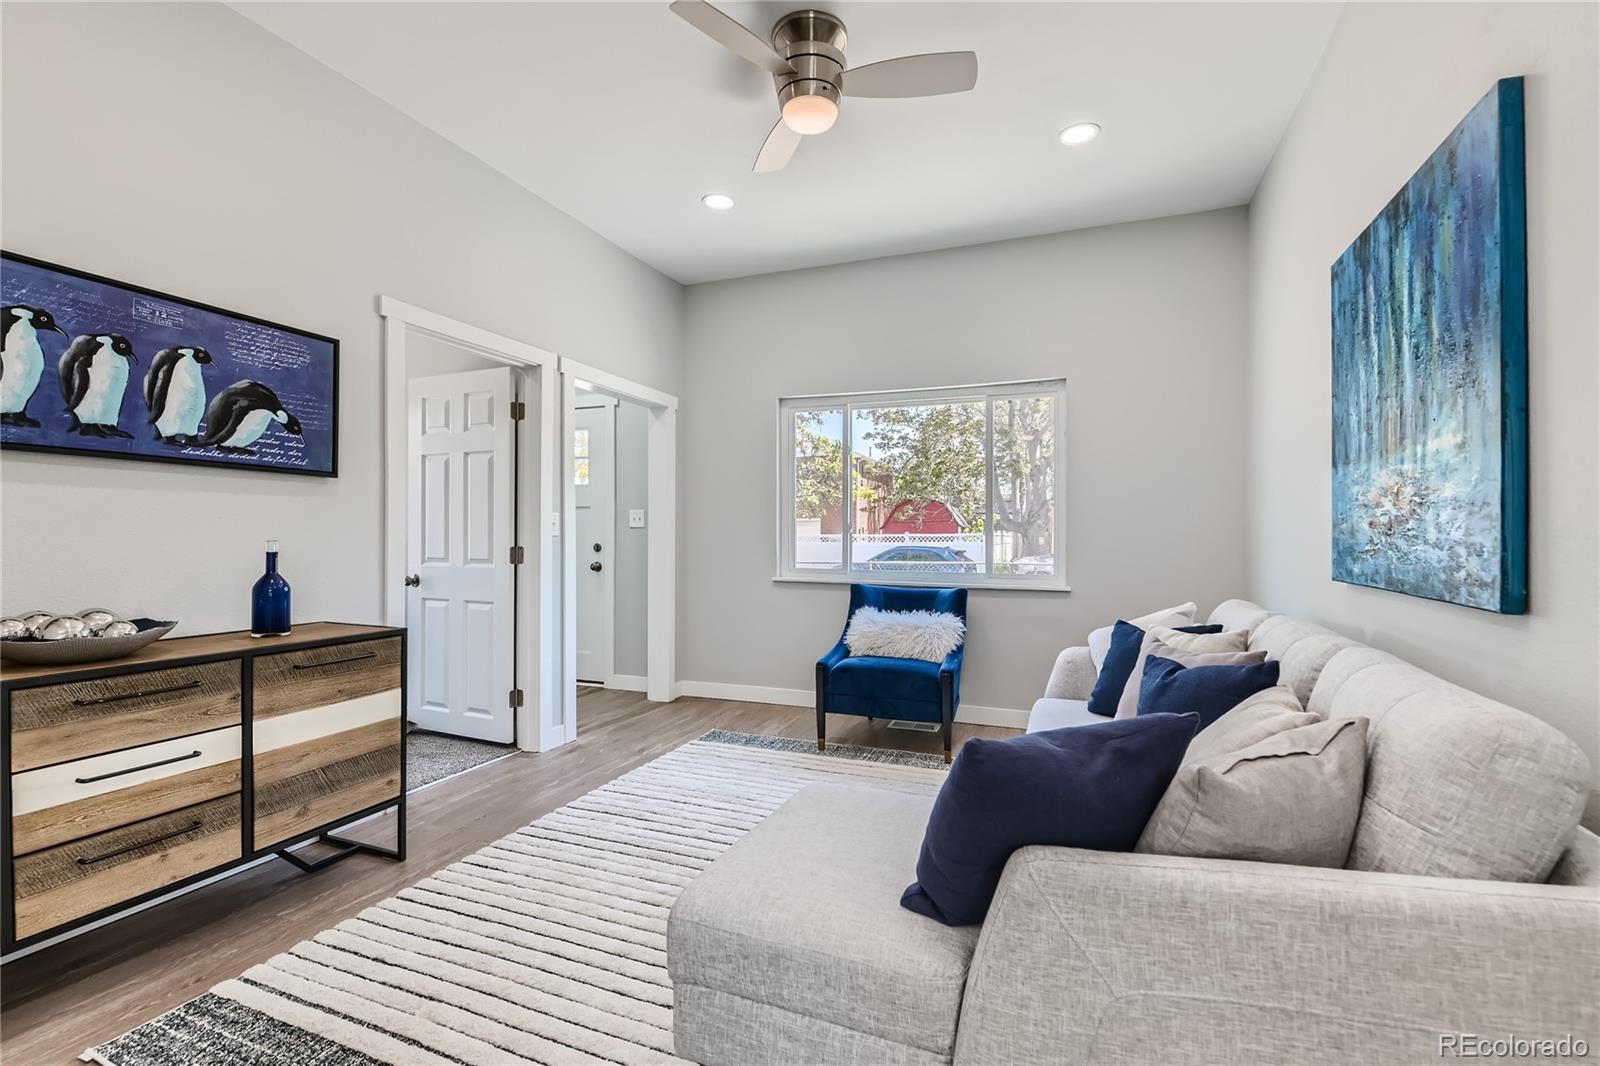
(1089, 786)
(1170, 687)
(1126, 639)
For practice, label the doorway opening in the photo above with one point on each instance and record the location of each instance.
(619, 463)
(469, 516)
(610, 482)
(469, 418)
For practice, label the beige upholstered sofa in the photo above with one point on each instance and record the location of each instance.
(1469, 910)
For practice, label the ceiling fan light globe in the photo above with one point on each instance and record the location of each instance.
(810, 115)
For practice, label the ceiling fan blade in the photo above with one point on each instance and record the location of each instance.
(777, 149)
(732, 36)
(933, 74)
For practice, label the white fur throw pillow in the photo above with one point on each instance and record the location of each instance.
(925, 635)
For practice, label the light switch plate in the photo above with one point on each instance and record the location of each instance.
(636, 519)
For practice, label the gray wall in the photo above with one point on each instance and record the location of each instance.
(1145, 321)
(182, 147)
(1394, 81)
(632, 556)
(428, 357)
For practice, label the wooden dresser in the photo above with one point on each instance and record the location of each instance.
(126, 779)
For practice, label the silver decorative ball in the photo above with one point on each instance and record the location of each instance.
(118, 628)
(65, 627)
(35, 620)
(14, 628)
(97, 617)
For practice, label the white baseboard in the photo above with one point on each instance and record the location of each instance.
(628, 682)
(967, 713)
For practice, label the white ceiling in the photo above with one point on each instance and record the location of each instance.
(622, 115)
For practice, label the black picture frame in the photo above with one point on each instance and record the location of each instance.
(192, 459)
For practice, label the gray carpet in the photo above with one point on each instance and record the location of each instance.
(432, 757)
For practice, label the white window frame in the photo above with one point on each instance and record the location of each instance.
(848, 403)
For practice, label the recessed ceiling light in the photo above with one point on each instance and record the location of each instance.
(1080, 133)
(717, 201)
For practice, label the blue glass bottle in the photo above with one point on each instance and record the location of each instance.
(269, 600)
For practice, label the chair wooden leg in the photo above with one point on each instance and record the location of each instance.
(822, 714)
(947, 712)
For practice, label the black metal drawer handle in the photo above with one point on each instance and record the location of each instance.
(98, 700)
(191, 827)
(136, 769)
(336, 662)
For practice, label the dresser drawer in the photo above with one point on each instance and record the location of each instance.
(60, 884)
(317, 677)
(315, 766)
(55, 804)
(60, 723)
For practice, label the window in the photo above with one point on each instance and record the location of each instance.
(580, 457)
(929, 486)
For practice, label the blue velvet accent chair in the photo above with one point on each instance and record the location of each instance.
(911, 690)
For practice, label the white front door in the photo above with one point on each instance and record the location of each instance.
(461, 469)
(594, 480)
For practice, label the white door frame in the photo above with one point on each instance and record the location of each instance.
(539, 722)
(547, 606)
(608, 653)
(661, 531)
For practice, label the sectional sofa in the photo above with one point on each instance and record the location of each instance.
(1469, 908)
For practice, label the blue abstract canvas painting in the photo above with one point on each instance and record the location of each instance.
(1430, 376)
(100, 368)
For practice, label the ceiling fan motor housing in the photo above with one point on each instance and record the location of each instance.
(813, 41)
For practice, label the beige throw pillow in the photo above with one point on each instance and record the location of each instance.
(1267, 713)
(1100, 639)
(1172, 644)
(1292, 798)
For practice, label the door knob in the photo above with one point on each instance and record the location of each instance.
(596, 567)
(413, 580)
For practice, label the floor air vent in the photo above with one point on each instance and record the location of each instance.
(915, 727)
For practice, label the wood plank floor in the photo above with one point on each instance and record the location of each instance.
(79, 993)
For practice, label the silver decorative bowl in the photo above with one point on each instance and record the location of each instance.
(83, 649)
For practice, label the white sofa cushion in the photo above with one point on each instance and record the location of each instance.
(1458, 785)
(1301, 648)
(1054, 714)
(802, 915)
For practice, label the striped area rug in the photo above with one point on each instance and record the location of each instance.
(547, 946)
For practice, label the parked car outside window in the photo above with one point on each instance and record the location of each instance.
(922, 559)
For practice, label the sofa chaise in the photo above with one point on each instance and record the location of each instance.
(1470, 905)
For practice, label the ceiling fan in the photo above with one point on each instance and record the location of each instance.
(806, 61)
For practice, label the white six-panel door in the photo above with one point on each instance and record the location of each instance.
(461, 468)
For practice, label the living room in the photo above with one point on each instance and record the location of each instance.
(734, 499)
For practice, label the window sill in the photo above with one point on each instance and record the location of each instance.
(1000, 584)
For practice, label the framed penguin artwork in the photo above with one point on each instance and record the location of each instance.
(104, 369)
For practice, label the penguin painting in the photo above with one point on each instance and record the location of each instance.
(94, 375)
(241, 413)
(175, 393)
(21, 360)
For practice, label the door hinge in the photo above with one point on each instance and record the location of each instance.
(519, 410)
(516, 555)
(516, 697)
